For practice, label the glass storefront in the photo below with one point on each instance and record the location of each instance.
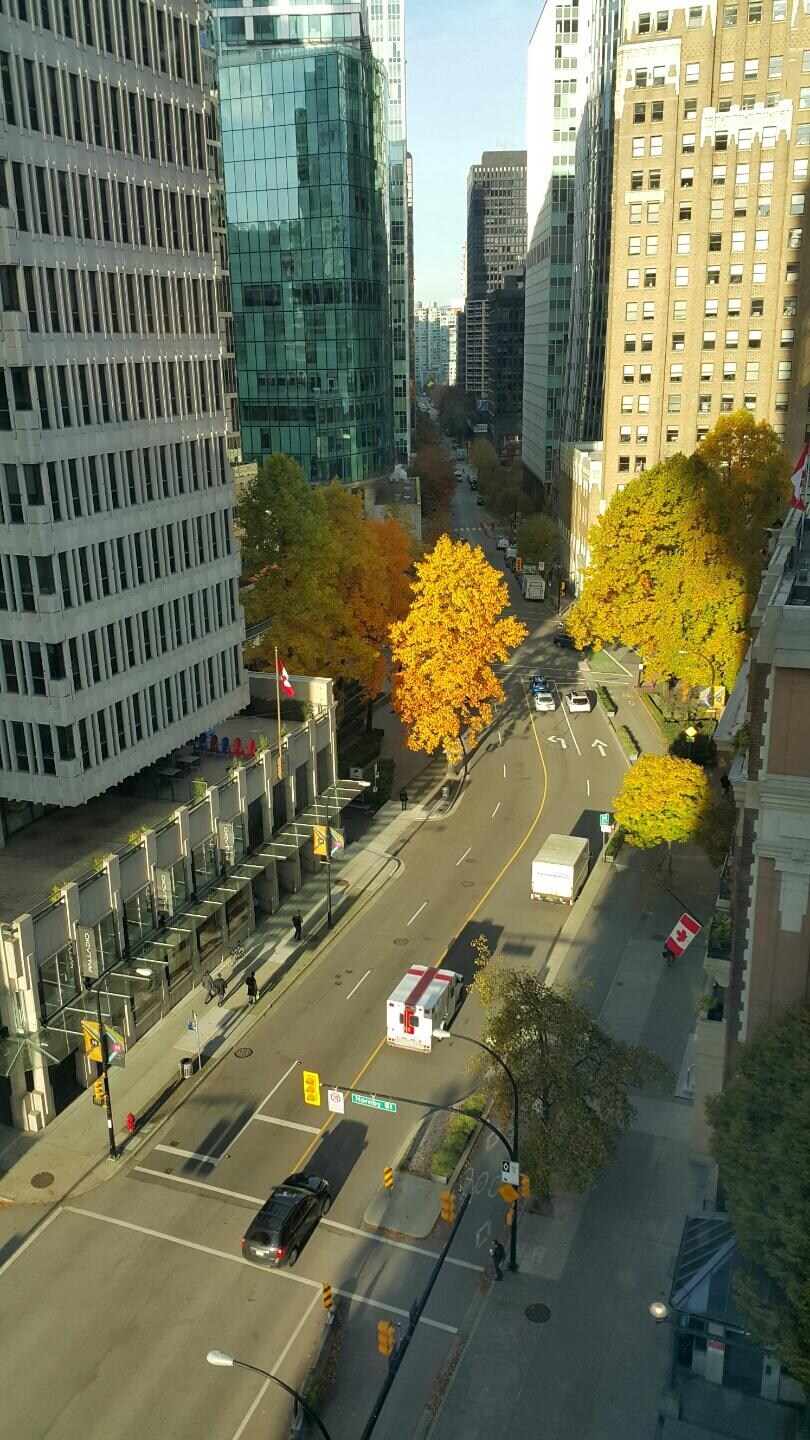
(209, 937)
(139, 919)
(237, 911)
(58, 981)
(205, 864)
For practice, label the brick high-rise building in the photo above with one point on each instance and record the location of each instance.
(708, 279)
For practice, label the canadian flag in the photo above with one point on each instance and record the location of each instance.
(683, 933)
(798, 479)
(286, 684)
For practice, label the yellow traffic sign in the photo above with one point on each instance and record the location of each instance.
(312, 1087)
(509, 1193)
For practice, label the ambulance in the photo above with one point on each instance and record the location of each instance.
(425, 1000)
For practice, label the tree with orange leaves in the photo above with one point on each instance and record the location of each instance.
(444, 649)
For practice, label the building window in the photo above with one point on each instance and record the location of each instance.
(757, 306)
(784, 369)
(794, 239)
(679, 340)
(738, 240)
(754, 339)
(643, 404)
(710, 307)
(735, 274)
(635, 214)
(633, 279)
(792, 270)
(789, 305)
(634, 245)
(651, 244)
(673, 404)
(695, 15)
(627, 405)
(624, 464)
(779, 10)
(646, 342)
(716, 241)
(656, 145)
(690, 109)
(709, 339)
(687, 179)
(624, 434)
(676, 374)
(631, 310)
(639, 144)
(629, 344)
(628, 374)
(654, 180)
(774, 67)
(751, 69)
(786, 338)
(730, 16)
(685, 212)
(730, 370)
(726, 404)
(637, 180)
(732, 339)
(742, 174)
(672, 431)
(718, 175)
(713, 275)
(797, 204)
(803, 134)
(688, 144)
(656, 110)
(639, 113)
(653, 212)
(648, 312)
(645, 374)
(679, 309)
(682, 275)
(704, 404)
(692, 74)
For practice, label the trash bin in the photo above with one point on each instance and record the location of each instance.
(445, 792)
(186, 1067)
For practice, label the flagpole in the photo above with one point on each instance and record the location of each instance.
(278, 714)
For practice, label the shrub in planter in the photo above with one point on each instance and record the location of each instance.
(614, 844)
(628, 743)
(608, 703)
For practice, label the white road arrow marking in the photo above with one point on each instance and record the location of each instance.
(600, 746)
(558, 740)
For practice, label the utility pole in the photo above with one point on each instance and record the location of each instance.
(328, 866)
(105, 1066)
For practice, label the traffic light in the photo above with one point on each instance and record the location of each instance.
(386, 1337)
(98, 1092)
(312, 1087)
(448, 1211)
(524, 1184)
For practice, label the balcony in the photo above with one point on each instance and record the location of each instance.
(718, 951)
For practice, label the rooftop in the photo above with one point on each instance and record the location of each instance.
(62, 845)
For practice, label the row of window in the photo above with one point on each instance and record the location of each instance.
(784, 370)
(107, 392)
(648, 278)
(659, 20)
(28, 747)
(641, 403)
(636, 210)
(744, 137)
(67, 203)
(98, 655)
(148, 34)
(64, 105)
(686, 177)
(98, 484)
(710, 307)
(60, 301)
(683, 243)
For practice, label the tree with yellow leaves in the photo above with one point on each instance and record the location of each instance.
(444, 649)
(664, 801)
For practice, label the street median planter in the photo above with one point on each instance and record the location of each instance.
(606, 700)
(628, 743)
(614, 845)
(458, 1132)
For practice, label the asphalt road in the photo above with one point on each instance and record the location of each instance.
(109, 1313)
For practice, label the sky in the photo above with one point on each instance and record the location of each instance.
(466, 92)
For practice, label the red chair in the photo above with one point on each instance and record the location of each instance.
(236, 747)
(250, 749)
(213, 745)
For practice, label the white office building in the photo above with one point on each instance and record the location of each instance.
(120, 625)
(436, 343)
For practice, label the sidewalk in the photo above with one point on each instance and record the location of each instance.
(70, 1156)
(566, 1347)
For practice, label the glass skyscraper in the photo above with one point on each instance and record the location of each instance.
(305, 154)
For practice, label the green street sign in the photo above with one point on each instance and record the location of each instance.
(372, 1103)
(604, 820)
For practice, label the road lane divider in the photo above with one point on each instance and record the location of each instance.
(464, 856)
(418, 912)
(287, 1124)
(357, 986)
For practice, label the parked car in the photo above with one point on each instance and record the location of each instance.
(544, 701)
(538, 684)
(275, 1235)
(563, 639)
(503, 543)
(578, 702)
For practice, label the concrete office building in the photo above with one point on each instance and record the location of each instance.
(763, 965)
(120, 624)
(305, 148)
(496, 244)
(435, 342)
(712, 141)
(387, 31)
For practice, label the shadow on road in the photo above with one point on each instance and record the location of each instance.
(337, 1153)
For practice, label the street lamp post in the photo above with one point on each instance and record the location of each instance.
(328, 866)
(660, 1314)
(482, 1045)
(93, 989)
(218, 1357)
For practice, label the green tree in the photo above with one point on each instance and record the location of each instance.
(760, 1141)
(483, 457)
(276, 514)
(539, 540)
(573, 1078)
(663, 801)
(456, 410)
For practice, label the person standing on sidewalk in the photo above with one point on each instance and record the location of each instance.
(403, 798)
(298, 924)
(208, 986)
(251, 987)
(497, 1255)
(220, 987)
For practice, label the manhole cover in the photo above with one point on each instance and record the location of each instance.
(42, 1179)
(402, 942)
(468, 883)
(243, 1053)
(538, 1314)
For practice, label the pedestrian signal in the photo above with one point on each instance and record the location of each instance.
(98, 1092)
(524, 1184)
(448, 1211)
(386, 1337)
(312, 1087)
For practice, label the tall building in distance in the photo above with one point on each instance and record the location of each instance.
(707, 280)
(502, 389)
(387, 30)
(120, 624)
(552, 120)
(496, 244)
(305, 151)
(435, 341)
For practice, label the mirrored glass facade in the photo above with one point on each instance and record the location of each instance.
(306, 180)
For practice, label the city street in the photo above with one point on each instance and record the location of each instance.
(120, 1294)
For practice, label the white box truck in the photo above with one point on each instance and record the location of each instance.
(560, 868)
(533, 587)
(425, 999)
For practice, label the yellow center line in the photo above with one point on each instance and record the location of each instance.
(301, 1161)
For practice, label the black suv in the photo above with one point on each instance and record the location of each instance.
(286, 1220)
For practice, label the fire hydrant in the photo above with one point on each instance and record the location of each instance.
(131, 1123)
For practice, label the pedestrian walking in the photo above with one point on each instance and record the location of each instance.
(725, 784)
(219, 986)
(251, 987)
(208, 986)
(298, 924)
(497, 1256)
(403, 798)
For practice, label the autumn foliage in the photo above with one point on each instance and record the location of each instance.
(676, 559)
(444, 649)
(666, 801)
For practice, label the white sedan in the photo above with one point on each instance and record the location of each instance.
(545, 702)
(578, 702)
(503, 543)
